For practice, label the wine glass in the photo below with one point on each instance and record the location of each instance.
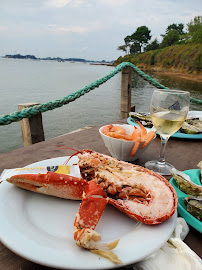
(168, 111)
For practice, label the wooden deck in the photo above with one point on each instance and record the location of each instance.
(183, 154)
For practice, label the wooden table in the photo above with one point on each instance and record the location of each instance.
(183, 154)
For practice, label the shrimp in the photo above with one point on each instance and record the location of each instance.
(114, 129)
(140, 135)
(136, 136)
(146, 137)
(116, 132)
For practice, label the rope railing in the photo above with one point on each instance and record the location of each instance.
(30, 111)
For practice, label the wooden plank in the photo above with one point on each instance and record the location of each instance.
(32, 127)
(126, 84)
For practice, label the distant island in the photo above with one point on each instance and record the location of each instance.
(59, 59)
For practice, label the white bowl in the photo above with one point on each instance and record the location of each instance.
(121, 149)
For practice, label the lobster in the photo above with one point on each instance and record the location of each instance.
(140, 193)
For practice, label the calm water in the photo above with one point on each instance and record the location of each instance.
(23, 81)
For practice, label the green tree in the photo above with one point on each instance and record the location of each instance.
(135, 42)
(197, 36)
(194, 30)
(126, 46)
(170, 38)
(154, 45)
(128, 43)
(122, 48)
(141, 37)
(135, 48)
(194, 25)
(179, 27)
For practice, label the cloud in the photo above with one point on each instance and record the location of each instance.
(84, 49)
(114, 3)
(57, 3)
(72, 28)
(68, 27)
(3, 28)
(63, 3)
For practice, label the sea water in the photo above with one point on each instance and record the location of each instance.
(40, 81)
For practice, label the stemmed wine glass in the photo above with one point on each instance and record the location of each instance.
(168, 111)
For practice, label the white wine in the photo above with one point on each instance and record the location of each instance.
(168, 110)
(167, 122)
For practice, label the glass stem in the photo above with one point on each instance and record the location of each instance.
(163, 147)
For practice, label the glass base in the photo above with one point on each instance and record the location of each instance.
(162, 168)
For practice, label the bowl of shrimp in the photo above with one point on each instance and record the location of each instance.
(126, 142)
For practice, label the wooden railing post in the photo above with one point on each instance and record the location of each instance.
(32, 127)
(126, 83)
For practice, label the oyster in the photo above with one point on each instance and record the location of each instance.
(194, 206)
(192, 125)
(185, 184)
(200, 167)
(188, 128)
(143, 118)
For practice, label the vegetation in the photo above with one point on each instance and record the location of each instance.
(59, 59)
(136, 41)
(185, 57)
(178, 50)
(19, 56)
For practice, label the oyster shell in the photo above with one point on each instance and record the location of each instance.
(200, 167)
(194, 206)
(143, 118)
(188, 129)
(192, 126)
(185, 184)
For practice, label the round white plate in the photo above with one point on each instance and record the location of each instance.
(40, 229)
(195, 114)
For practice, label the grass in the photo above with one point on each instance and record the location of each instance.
(182, 58)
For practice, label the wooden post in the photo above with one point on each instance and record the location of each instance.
(126, 83)
(32, 127)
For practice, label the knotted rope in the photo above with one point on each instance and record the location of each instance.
(28, 112)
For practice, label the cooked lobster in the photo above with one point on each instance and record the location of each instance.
(140, 193)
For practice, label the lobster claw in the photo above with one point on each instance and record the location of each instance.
(93, 204)
(54, 184)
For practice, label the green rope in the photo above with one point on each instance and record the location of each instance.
(30, 111)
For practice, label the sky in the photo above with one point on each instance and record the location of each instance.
(89, 29)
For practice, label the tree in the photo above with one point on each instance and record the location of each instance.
(154, 45)
(135, 48)
(128, 43)
(179, 27)
(197, 36)
(141, 37)
(170, 38)
(126, 46)
(194, 25)
(135, 42)
(122, 48)
(194, 30)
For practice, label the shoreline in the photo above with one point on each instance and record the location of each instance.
(171, 72)
(180, 74)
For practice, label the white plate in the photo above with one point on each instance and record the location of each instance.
(195, 114)
(40, 229)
